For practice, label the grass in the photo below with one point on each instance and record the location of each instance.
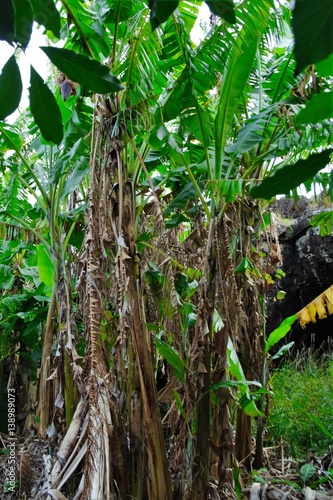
(301, 410)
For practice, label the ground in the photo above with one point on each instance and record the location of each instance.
(281, 478)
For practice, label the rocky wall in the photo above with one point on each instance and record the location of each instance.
(307, 261)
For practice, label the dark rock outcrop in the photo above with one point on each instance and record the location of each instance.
(308, 267)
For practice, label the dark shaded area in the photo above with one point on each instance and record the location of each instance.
(308, 264)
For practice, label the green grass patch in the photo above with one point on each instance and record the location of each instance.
(301, 410)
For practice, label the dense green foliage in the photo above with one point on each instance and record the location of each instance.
(301, 419)
(131, 229)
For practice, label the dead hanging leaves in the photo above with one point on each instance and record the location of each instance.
(320, 307)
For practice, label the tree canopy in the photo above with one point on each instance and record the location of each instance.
(132, 214)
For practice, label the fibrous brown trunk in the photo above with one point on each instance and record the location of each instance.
(160, 485)
(201, 471)
(45, 392)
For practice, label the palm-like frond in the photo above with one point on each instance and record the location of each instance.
(236, 74)
(137, 61)
(196, 68)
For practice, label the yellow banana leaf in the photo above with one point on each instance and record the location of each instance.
(320, 307)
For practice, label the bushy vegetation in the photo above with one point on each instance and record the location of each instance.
(133, 208)
(301, 417)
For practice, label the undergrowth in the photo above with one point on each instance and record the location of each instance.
(301, 410)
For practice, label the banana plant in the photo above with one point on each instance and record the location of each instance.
(163, 141)
(47, 179)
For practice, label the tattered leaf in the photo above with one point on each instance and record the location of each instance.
(222, 8)
(234, 80)
(10, 88)
(23, 22)
(289, 177)
(45, 109)
(46, 14)
(312, 23)
(320, 307)
(319, 304)
(312, 310)
(329, 295)
(80, 68)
